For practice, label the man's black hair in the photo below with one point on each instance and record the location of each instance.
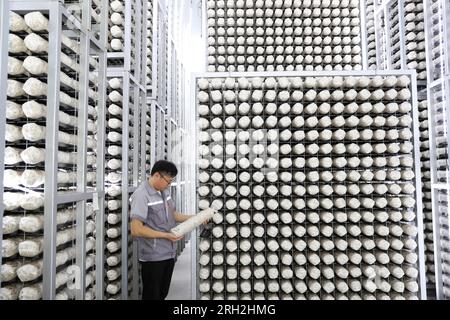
(164, 167)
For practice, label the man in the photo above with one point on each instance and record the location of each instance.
(152, 216)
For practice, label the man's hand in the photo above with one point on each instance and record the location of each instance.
(170, 236)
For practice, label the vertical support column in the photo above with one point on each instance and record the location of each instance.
(401, 30)
(433, 85)
(138, 42)
(143, 122)
(446, 69)
(143, 65)
(378, 34)
(140, 113)
(136, 162)
(135, 289)
(418, 191)
(194, 291)
(205, 30)
(155, 59)
(81, 152)
(161, 128)
(162, 137)
(165, 140)
(153, 141)
(51, 154)
(445, 82)
(125, 195)
(387, 39)
(136, 113)
(363, 15)
(100, 182)
(4, 29)
(432, 135)
(158, 137)
(191, 177)
(434, 200)
(127, 38)
(446, 34)
(168, 79)
(162, 46)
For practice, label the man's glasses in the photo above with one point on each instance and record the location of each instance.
(168, 181)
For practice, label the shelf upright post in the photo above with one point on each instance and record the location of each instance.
(101, 120)
(155, 60)
(51, 154)
(438, 95)
(192, 180)
(364, 50)
(138, 43)
(418, 189)
(153, 141)
(143, 121)
(402, 33)
(83, 101)
(4, 30)
(127, 37)
(125, 184)
(137, 110)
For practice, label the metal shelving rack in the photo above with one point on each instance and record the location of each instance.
(92, 59)
(152, 116)
(87, 22)
(396, 22)
(418, 221)
(371, 44)
(177, 109)
(125, 102)
(157, 88)
(426, 190)
(163, 92)
(159, 129)
(151, 28)
(128, 55)
(129, 64)
(221, 35)
(400, 45)
(133, 170)
(437, 30)
(160, 53)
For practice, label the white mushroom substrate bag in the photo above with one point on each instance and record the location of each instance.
(193, 222)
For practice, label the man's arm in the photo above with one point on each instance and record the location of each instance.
(138, 229)
(181, 217)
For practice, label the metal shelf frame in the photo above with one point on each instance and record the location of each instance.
(58, 15)
(121, 60)
(370, 18)
(160, 52)
(382, 14)
(416, 152)
(154, 76)
(150, 42)
(134, 169)
(93, 42)
(363, 36)
(437, 31)
(390, 37)
(391, 43)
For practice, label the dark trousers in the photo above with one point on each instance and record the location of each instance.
(156, 277)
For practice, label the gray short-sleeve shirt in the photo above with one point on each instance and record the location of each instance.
(156, 210)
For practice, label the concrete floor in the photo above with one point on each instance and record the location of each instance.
(180, 287)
